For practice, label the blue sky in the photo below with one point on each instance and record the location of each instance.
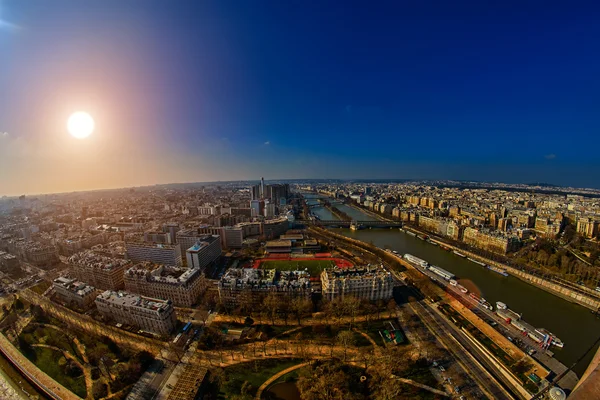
(203, 90)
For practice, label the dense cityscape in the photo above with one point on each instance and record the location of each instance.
(181, 285)
(275, 200)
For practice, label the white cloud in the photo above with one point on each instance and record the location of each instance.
(267, 143)
(550, 156)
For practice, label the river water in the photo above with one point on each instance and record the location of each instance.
(575, 325)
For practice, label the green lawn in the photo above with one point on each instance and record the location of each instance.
(255, 372)
(52, 362)
(314, 266)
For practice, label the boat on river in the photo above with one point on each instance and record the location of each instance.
(540, 335)
(497, 270)
(476, 261)
(411, 233)
(459, 254)
(486, 304)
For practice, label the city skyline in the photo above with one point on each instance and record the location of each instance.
(213, 91)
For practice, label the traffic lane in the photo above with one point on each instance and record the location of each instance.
(476, 353)
(445, 327)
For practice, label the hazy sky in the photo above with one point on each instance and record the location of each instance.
(202, 90)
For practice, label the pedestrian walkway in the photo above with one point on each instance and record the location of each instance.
(53, 388)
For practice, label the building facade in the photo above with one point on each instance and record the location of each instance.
(491, 241)
(159, 253)
(205, 251)
(101, 272)
(181, 286)
(151, 315)
(73, 292)
(253, 285)
(371, 283)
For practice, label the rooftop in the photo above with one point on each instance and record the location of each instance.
(125, 299)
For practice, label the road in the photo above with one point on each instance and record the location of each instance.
(477, 363)
(472, 359)
(568, 381)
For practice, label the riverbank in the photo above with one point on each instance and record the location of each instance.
(487, 335)
(548, 286)
(9, 389)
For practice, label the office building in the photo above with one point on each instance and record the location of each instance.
(157, 237)
(158, 253)
(257, 207)
(273, 228)
(151, 315)
(206, 250)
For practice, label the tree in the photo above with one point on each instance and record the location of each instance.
(99, 390)
(382, 386)
(271, 306)
(217, 376)
(300, 307)
(345, 339)
(351, 307)
(325, 381)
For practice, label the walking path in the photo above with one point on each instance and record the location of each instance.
(277, 376)
(54, 388)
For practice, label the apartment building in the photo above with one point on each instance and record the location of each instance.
(253, 284)
(494, 242)
(100, 271)
(74, 292)
(151, 315)
(181, 286)
(588, 227)
(159, 253)
(40, 254)
(370, 282)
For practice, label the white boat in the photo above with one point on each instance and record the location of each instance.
(411, 233)
(501, 306)
(476, 261)
(497, 270)
(416, 260)
(459, 254)
(453, 282)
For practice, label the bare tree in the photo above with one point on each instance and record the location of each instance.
(300, 307)
(345, 339)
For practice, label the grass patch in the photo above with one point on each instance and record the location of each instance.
(314, 267)
(41, 287)
(126, 365)
(255, 372)
(54, 364)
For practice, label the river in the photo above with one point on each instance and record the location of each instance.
(575, 325)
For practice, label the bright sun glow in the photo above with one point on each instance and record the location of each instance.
(80, 125)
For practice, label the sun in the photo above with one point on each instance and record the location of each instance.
(80, 125)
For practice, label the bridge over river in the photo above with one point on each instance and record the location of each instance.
(346, 224)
